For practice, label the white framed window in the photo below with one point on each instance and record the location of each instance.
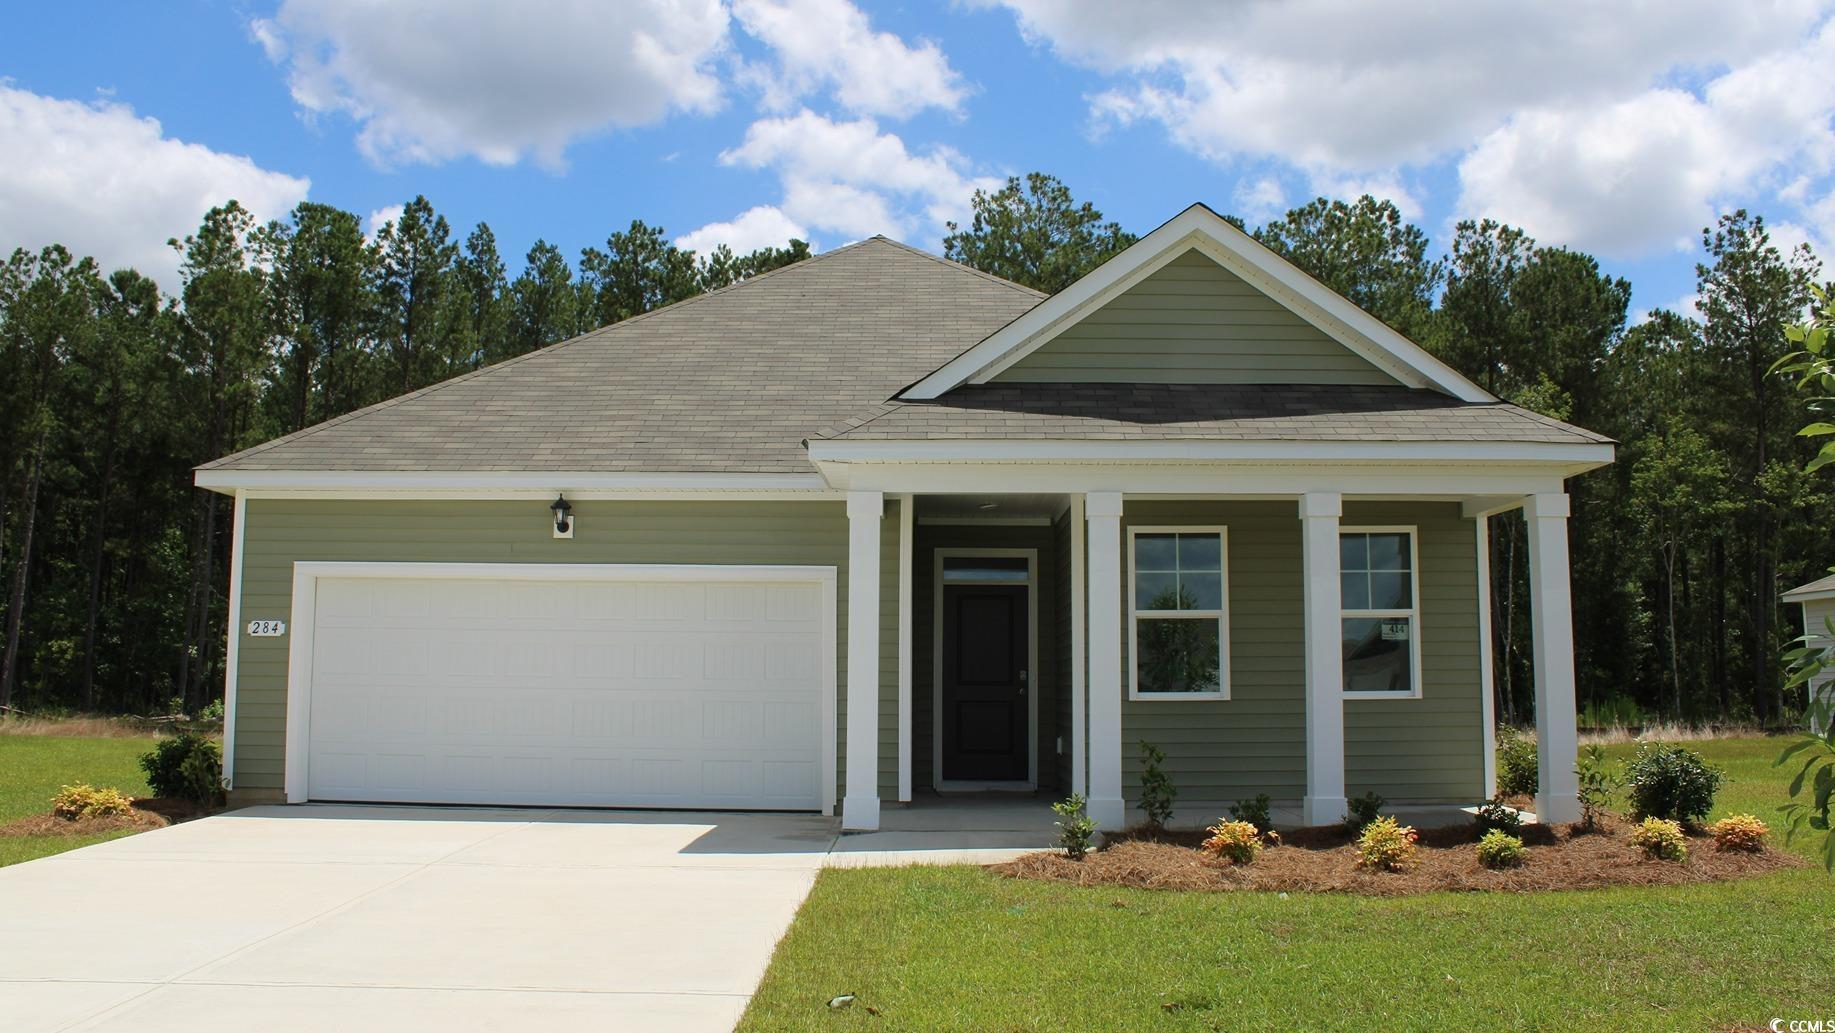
(1178, 611)
(1379, 575)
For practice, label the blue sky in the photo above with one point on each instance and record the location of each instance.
(1618, 131)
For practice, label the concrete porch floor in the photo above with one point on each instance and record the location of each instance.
(966, 828)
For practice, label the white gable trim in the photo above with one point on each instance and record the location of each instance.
(1198, 228)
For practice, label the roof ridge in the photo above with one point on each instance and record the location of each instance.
(961, 267)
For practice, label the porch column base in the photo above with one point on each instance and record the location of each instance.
(1323, 810)
(1109, 815)
(860, 813)
(1561, 809)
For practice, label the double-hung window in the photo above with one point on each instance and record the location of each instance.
(1382, 616)
(1178, 604)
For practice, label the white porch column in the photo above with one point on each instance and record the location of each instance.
(860, 805)
(1322, 605)
(1102, 511)
(1552, 622)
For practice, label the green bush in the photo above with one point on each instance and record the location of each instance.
(1516, 762)
(1596, 786)
(1500, 849)
(1386, 845)
(1495, 815)
(1157, 790)
(1361, 811)
(186, 766)
(1257, 812)
(1672, 782)
(1076, 829)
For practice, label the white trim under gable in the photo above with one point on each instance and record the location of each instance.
(1199, 228)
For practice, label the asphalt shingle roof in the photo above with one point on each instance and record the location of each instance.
(734, 381)
(1212, 412)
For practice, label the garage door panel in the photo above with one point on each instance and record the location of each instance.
(697, 694)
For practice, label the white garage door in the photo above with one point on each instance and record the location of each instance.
(635, 693)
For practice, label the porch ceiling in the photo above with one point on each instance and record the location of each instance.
(991, 506)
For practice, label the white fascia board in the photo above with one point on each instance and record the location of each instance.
(1800, 595)
(1448, 481)
(385, 484)
(1586, 454)
(1199, 227)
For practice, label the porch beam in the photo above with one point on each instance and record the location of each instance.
(860, 806)
(1323, 612)
(1552, 624)
(1102, 515)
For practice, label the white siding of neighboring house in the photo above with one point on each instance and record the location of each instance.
(1816, 613)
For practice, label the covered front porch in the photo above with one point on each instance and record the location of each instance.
(991, 642)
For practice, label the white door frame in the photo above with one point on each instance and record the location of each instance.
(306, 576)
(1031, 556)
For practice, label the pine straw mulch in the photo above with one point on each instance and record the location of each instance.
(1322, 860)
(148, 813)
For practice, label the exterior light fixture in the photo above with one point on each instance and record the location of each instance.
(563, 517)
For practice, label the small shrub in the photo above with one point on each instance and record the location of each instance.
(185, 766)
(1500, 849)
(1076, 829)
(1157, 790)
(213, 711)
(1660, 838)
(1257, 812)
(1671, 782)
(1494, 815)
(1386, 845)
(1361, 811)
(86, 801)
(1237, 842)
(1516, 762)
(1596, 786)
(1740, 832)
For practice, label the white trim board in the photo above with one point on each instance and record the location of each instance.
(1199, 228)
(464, 483)
(306, 576)
(938, 555)
(232, 656)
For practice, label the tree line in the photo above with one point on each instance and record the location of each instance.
(115, 567)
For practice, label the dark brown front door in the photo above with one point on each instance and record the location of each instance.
(985, 683)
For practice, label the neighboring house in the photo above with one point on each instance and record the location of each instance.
(877, 524)
(1818, 600)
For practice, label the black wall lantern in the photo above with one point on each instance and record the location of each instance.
(563, 517)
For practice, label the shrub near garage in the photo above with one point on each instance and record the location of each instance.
(86, 801)
(185, 766)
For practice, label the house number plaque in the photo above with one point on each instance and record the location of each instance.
(267, 629)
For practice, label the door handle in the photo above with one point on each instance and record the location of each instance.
(1022, 683)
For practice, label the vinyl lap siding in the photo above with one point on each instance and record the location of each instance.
(283, 531)
(1194, 322)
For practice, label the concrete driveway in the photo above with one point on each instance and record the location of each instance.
(391, 918)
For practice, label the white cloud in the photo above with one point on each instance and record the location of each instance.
(376, 220)
(829, 43)
(431, 80)
(1611, 126)
(851, 178)
(104, 181)
(1261, 199)
(759, 227)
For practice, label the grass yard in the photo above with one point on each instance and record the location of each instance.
(32, 767)
(959, 949)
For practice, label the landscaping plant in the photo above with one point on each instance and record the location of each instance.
(185, 766)
(1075, 830)
(1500, 849)
(1494, 815)
(1386, 845)
(1670, 781)
(1361, 811)
(1660, 838)
(1516, 762)
(1597, 784)
(1257, 812)
(1157, 790)
(1743, 832)
(86, 801)
(1817, 776)
(1237, 842)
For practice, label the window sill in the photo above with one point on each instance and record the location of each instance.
(1177, 697)
(1383, 695)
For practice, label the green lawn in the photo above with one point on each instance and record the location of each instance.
(958, 949)
(32, 767)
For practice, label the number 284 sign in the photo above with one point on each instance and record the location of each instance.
(267, 629)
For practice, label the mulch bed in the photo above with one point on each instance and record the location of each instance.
(1322, 860)
(150, 813)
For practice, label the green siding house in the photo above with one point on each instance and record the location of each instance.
(877, 528)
